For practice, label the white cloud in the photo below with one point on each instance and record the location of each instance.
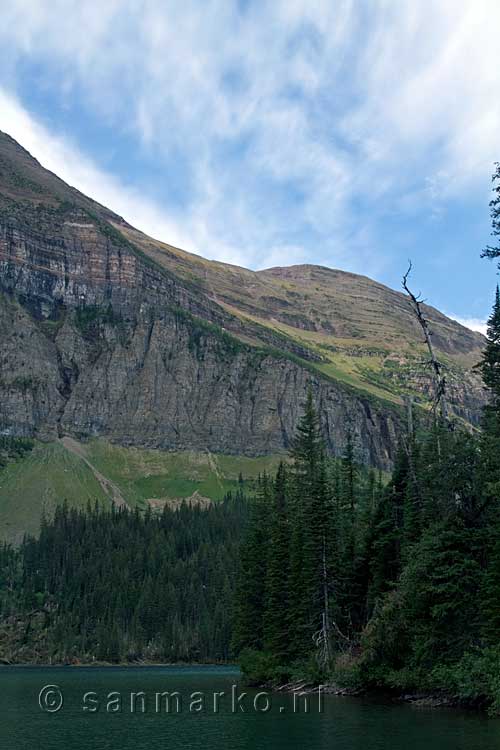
(432, 83)
(475, 324)
(64, 158)
(343, 104)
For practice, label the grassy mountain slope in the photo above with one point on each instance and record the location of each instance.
(51, 473)
(36, 484)
(348, 327)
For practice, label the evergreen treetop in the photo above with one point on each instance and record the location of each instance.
(490, 363)
(494, 252)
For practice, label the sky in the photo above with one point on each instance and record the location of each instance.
(354, 134)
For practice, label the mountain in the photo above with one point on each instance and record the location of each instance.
(108, 333)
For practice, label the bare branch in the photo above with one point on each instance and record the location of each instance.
(438, 377)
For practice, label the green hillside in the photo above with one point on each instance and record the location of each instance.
(148, 475)
(82, 473)
(343, 325)
(34, 485)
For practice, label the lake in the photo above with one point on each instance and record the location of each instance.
(169, 708)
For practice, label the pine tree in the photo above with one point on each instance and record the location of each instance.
(494, 252)
(324, 550)
(490, 472)
(350, 566)
(490, 362)
(276, 617)
(349, 475)
(490, 371)
(312, 538)
(490, 593)
(440, 588)
(490, 437)
(385, 534)
(251, 588)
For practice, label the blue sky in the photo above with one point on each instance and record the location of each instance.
(346, 133)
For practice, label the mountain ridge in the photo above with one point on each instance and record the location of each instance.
(280, 271)
(142, 343)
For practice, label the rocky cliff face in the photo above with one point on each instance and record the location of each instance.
(103, 332)
(159, 379)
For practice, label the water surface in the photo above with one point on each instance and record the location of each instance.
(91, 722)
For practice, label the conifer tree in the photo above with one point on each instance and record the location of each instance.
(494, 252)
(490, 362)
(490, 442)
(349, 565)
(490, 471)
(250, 597)
(276, 615)
(312, 537)
(490, 371)
(385, 534)
(440, 588)
(490, 604)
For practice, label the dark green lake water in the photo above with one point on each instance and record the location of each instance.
(343, 723)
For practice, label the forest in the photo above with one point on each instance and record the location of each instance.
(121, 586)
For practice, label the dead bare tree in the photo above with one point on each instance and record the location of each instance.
(439, 381)
(322, 638)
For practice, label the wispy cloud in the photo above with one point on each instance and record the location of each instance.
(475, 324)
(66, 160)
(299, 125)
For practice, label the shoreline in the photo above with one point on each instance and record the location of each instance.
(417, 699)
(119, 665)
